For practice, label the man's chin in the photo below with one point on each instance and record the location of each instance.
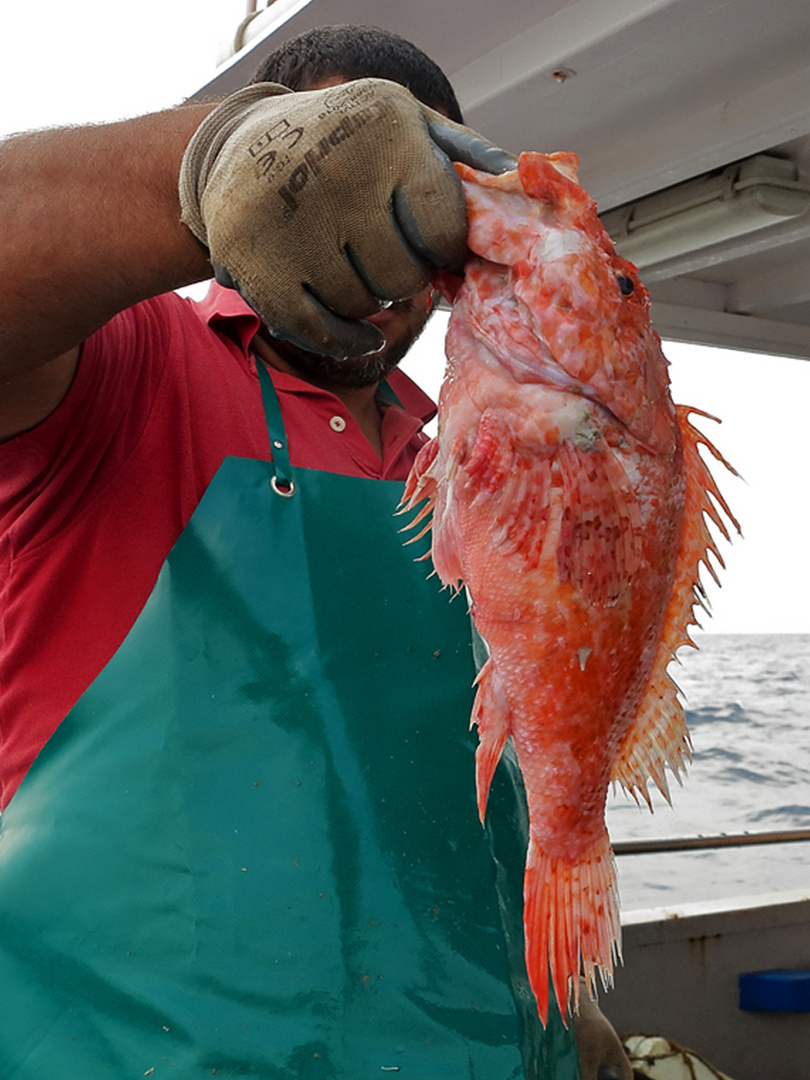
(401, 326)
(352, 372)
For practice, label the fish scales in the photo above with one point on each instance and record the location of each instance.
(567, 493)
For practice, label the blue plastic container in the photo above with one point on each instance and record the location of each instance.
(775, 991)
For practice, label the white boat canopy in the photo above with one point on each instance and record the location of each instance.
(691, 119)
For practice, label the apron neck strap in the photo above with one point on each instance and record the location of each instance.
(275, 429)
(277, 432)
(385, 391)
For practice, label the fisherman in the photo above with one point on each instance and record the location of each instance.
(239, 834)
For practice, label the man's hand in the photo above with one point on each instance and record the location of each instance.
(320, 206)
(601, 1055)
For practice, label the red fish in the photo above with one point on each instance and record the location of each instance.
(567, 493)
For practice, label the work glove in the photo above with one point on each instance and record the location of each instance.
(601, 1054)
(321, 206)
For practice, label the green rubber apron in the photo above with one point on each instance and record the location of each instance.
(252, 849)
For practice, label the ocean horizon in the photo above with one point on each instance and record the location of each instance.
(747, 700)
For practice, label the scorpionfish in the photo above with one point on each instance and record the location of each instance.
(567, 493)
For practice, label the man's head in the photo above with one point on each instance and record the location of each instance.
(335, 54)
(359, 52)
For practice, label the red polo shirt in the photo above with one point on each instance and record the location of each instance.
(94, 497)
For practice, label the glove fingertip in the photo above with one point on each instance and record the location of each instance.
(448, 249)
(349, 338)
(326, 333)
(462, 144)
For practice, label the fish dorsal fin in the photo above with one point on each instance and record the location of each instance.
(551, 179)
(566, 163)
(658, 737)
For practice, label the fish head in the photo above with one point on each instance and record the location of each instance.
(581, 302)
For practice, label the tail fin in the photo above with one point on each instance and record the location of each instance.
(571, 918)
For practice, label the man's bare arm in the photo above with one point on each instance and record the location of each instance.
(316, 236)
(90, 224)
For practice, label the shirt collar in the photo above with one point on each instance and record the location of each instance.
(225, 310)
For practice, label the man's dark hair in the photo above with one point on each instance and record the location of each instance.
(359, 52)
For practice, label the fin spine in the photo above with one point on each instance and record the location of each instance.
(658, 737)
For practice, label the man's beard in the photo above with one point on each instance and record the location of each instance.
(351, 372)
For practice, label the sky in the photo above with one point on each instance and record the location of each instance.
(86, 61)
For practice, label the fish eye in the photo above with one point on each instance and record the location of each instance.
(626, 284)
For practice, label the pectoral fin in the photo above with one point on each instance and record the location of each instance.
(599, 544)
(516, 480)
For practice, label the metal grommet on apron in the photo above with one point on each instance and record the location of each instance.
(252, 847)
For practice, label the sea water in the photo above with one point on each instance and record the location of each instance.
(747, 703)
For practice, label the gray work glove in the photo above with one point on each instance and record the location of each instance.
(319, 206)
(601, 1054)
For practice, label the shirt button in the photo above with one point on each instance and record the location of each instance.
(337, 423)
